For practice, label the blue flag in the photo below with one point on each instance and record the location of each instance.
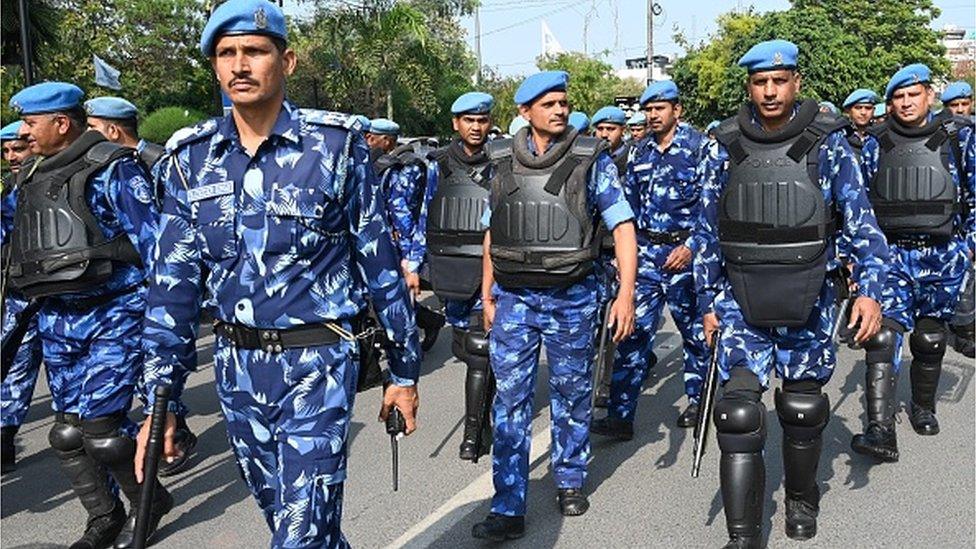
(106, 75)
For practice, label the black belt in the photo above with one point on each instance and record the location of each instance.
(673, 237)
(274, 340)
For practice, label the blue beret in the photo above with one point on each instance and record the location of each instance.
(831, 108)
(639, 119)
(473, 103)
(664, 90)
(909, 75)
(384, 126)
(860, 95)
(46, 97)
(363, 122)
(110, 107)
(610, 114)
(517, 124)
(772, 55)
(712, 125)
(957, 90)
(881, 109)
(540, 83)
(579, 120)
(242, 17)
(11, 131)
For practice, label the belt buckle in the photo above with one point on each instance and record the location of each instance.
(270, 340)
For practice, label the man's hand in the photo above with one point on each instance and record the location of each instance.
(488, 314)
(170, 451)
(678, 259)
(622, 316)
(868, 311)
(710, 326)
(406, 400)
(413, 283)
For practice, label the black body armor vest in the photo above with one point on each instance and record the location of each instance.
(58, 246)
(913, 192)
(542, 232)
(151, 154)
(455, 235)
(774, 224)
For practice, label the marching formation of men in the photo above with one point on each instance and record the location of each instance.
(292, 227)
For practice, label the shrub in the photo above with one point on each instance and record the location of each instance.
(160, 125)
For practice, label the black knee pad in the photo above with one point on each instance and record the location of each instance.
(803, 410)
(476, 343)
(740, 425)
(881, 346)
(470, 346)
(65, 435)
(928, 340)
(105, 442)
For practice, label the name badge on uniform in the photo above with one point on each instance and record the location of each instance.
(209, 191)
(643, 167)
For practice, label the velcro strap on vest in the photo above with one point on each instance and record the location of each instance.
(458, 238)
(561, 175)
(930, 207)
(548, 260)
(807, 140)
(886, 142)
(937, 139)
(505, 174)
(736, 151)
(763, 233)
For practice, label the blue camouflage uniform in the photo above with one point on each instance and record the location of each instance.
(807, 352)
(664, 190)
(564, 319)
(924, 277)
(291, 236)
(403, 191)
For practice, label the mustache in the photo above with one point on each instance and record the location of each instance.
(244, 79)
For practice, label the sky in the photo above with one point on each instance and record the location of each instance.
(511, 29)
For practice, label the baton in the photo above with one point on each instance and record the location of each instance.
(154, 449)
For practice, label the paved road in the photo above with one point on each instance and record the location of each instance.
(642, 493)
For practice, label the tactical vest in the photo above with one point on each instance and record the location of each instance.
(542, 231)
(411, 154)
(58, 246)
(913, 192)
(150, 154)
(454, 231)
(620, 159)
(774, 224)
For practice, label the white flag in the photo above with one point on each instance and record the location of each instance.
(106, 75)
(550, 46)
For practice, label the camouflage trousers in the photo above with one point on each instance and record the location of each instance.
(18, 387)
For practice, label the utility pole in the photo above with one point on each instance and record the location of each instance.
(477, 44)
(26, 49)
(650, 40)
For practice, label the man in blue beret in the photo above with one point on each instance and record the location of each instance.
(453, 250)
(539, 288)
(91, 317)
(766, 284)
(20, 338)
(958, 98)
(919, 170)
(404, 172)
(663, 186)
(637, 126)
(276, 212)
(859, 108)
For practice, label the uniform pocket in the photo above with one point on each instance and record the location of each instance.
(296, 219)
(214, 217)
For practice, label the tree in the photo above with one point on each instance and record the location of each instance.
(592, 82)
(42, 24)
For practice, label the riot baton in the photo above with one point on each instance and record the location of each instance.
(487, 399)
(601, 358)
(154, 449)
(395, 427)
(705, 408)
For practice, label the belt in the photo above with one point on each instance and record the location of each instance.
(277, 340)
(914, 242)
(672, 237)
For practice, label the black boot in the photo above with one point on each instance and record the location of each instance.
(115, 451)
(499, 528)
(185, 442)
(617, 429)
(8, 451)
(572, 502)
(963, 338)
(925, 382)
(879, 439)
(478, 386)
(689, 417)
(106, 515)
(800, 461)
(743, 478)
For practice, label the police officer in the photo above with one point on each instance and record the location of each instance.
(116, 119)
(279, 207)
(637, 126)
(90, 322)
(919, 170)
(608, 124)
(403, 177)
(580, 121)
(880, 113)
(663, 186)
(17, 387)
(453, 244)
(762, 277)
(958, 98)
(538, 293)
(859, 108)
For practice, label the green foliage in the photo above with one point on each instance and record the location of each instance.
(592, 83)
(160, 125)
(42, 21)
(844, 45)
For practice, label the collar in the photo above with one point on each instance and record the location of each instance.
(287, 126)
(754, 117)
(680, 136)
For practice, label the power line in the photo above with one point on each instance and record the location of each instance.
(534, 18)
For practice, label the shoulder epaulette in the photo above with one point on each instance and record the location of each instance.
(189, 134)
(331, 118)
